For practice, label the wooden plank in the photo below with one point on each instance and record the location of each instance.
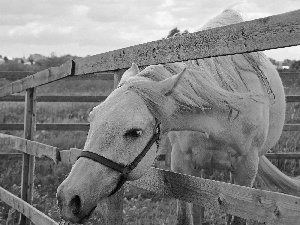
(248, 203)
(28, 164)
(293, 98)
(39, 78)
(85, 126)
(272, 32)
(10, 156)
(34, 215)
(290, 75)
(289, 155)
(94, 76)
(66, 157)
(11, 126)
(283, 155)
(71, 98)
(60, 98)
(291, 127)
(17, 75)
(69, 157)
(30, 147)
(49, 126)
(276, 31)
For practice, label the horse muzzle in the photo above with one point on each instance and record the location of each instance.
(72, 207)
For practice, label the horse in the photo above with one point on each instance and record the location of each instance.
(224, 112)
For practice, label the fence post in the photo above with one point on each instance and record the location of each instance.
(114, 203)
(201, 208)
(231, 181)
(28, 164)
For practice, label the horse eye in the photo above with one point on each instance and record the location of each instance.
(133, 133)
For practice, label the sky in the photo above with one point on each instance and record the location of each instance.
(86, 27)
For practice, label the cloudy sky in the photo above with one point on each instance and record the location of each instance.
(86, 27)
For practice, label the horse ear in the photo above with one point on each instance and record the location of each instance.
(167, 86)
(132, 71)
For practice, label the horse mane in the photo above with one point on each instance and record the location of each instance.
(211, 82)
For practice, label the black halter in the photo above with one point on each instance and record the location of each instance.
(124, 169)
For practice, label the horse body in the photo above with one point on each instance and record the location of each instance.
(230, 137)
(223, 112)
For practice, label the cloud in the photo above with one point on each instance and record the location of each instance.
(80, 10)
(164, 19)
(91, 27)
(168, 3)
(36, 32)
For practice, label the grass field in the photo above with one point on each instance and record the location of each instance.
(140, 207)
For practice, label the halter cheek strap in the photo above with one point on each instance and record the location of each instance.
(123, 169)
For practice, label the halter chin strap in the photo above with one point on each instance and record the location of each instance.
(123, 169)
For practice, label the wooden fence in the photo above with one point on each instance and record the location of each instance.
(267, 33)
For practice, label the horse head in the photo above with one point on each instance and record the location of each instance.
(120, 128)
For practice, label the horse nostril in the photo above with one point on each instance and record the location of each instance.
(75, 205)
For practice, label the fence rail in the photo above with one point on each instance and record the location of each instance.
(85, 126)
(271, 32)
(264, 206)
(267, 33)
(29, 147)
(18, 98)
(34, 215)
(64, 98)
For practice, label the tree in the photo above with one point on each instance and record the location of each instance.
(173, 32)
(295, 66)
(274, 62)
(14, 66)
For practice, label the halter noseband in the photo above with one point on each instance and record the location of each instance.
(124, 169)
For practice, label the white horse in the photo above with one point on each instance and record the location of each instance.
(235, 104)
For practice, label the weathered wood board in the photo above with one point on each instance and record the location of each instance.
(85, 126)
(30, 147)
(264, 206)
(276, 31)
(34, 215)
(54, 98)
(39, 78)
(272, 32)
